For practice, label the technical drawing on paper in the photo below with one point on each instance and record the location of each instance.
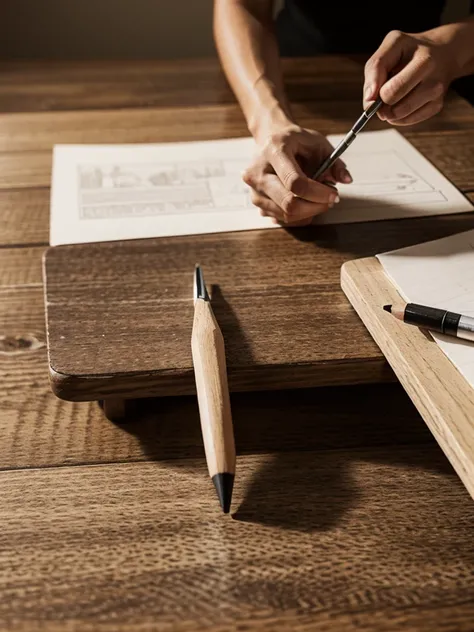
(387, 177)
(140, 190)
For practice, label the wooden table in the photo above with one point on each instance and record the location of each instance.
(347, 514)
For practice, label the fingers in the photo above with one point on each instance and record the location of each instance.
(295, 181)
(292, 207)
(382, 62)
(421, 114)
(268, 208)
(406, 80)
(283, 205)
(340, 173)
(426, 92)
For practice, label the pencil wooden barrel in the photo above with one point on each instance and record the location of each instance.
(212, 389)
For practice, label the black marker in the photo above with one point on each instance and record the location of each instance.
(434, 319)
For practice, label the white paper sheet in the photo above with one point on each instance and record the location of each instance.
(111, 192)
(392, 179)
(439, 274)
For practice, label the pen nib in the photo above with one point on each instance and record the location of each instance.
(224, 484)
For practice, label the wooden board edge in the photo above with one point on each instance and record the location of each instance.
(84, 388)
(445, 403)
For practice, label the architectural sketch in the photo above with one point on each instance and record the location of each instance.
(113, 192)
(385, 174)
(122, 190)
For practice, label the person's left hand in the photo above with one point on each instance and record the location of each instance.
(411, 73)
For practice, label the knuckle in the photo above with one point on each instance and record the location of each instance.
(247, 177)
(255, 198)
(427, 61)
(395, 36)
(372, 65)
(253, 174)
(390, 90)
(275, 144)
(289, 204)
(294, 183)
(369, 64)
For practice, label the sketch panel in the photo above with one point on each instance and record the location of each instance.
(141, 190)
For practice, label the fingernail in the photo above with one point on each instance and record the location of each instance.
(346, 177)
(368, 92)
(336, 200)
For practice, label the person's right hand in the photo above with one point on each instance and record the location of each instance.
(279, 178)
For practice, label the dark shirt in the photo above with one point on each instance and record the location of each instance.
(338, 26)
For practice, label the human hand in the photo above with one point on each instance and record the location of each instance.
(411, 73)
(280, 176)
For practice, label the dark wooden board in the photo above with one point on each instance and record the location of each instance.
(120, 314)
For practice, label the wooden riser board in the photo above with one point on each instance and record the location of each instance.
(441, 394)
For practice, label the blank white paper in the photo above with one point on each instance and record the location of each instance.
(439, 274)
(113, 192)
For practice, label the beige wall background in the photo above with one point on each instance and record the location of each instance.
(82, 29)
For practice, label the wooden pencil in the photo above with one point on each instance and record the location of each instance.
(213, 394)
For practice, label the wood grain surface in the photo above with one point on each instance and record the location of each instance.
(348, 515)
(143, 546)
(120, 316)
(29, 86)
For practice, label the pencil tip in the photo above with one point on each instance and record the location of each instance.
(388, 308)
(224, 484)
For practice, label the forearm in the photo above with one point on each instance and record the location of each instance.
(248, 50)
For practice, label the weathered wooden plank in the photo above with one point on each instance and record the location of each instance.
(52, 86)
(21, 266)
(24, 217)
(146, 545)
(25, 170)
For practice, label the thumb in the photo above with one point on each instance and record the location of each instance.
(380, 65)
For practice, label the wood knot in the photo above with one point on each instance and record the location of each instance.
(14, 345)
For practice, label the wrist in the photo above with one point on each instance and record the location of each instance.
(456, 40)
(464, 48)
(267, 120)
(269, 111)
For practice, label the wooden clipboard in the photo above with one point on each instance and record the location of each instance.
(441, 394)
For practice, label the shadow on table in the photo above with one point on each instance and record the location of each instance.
(314, 491)
(363, 239)
(306, 441)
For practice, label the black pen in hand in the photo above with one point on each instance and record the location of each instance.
(361, 122)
